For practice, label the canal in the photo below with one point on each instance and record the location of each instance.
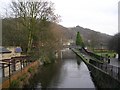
(68, 72)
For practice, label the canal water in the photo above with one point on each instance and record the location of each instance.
(68, 72)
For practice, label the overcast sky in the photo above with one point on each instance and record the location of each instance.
(99, 15)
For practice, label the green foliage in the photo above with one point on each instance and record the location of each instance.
(14, 84)
(30, 70)
(79, 41)
(23, 77)
(47, 58)
(111, 54)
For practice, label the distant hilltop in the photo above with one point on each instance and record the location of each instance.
(90, 37)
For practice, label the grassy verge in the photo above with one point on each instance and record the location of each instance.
(23, 79)
(106, 54)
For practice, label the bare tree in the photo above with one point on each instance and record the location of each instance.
(31, 13)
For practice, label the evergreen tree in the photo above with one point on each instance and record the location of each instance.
(79, 41)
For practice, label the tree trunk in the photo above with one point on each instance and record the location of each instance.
(29, 42)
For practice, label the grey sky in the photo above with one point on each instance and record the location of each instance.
(99, 15)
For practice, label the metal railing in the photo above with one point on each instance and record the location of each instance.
(109, 69)
(9, 66)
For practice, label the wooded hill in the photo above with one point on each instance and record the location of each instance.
(90, 37)
(12, 35)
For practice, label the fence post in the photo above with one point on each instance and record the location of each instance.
(111, 71)
(118, 73)
(101, 66)
(21, 64)
(3, 71)
(106, 68)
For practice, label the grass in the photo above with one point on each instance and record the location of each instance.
(106, 54)
(14, 84)
(22, 78)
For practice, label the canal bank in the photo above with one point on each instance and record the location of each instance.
(21, 77)
(68, 72)
(101, 78)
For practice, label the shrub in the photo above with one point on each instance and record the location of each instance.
(14, 84)
(30, 70)
(23, 77)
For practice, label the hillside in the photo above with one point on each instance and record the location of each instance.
(12, 35)
(90, 37)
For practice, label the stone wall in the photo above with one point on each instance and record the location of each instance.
(101, 78)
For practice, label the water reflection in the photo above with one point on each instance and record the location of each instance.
(78, 61)
(70, 72)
